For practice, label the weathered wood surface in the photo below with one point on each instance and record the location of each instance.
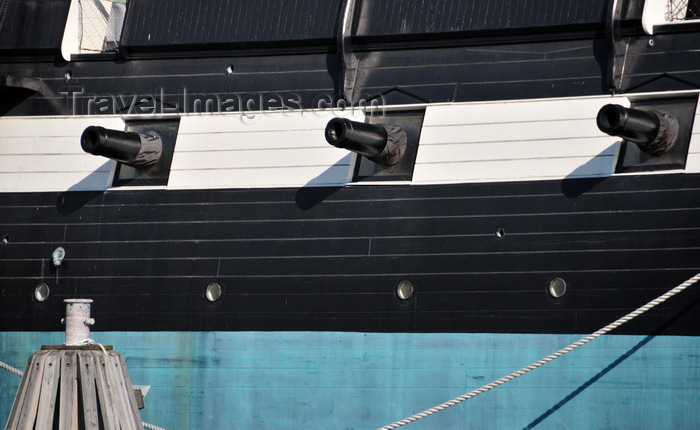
(77, 388)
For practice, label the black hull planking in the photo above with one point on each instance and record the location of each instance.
(480, 257)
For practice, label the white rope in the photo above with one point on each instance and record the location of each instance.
(11, 369)
(547, 359)
(88, 341)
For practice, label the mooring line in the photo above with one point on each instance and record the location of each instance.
(630, 316)
(11, 369)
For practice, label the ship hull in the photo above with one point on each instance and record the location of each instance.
(480, 257)
(310, 330)
(257, 277)
(244, 380)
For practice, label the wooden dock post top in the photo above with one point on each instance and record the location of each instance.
(78, 385)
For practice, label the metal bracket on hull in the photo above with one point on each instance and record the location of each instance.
(348, 60)
(618, 46)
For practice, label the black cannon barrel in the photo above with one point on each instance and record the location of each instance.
(118, 145)
(654, 132)
(632, 124)
(134, 149)
(380, 143)
(366, 139)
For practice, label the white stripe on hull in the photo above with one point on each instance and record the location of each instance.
(460, 143)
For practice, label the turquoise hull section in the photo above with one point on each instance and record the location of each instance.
(315, 380)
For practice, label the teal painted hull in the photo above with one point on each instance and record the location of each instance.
(314, 380)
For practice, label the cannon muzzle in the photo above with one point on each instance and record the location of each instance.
(654, 132)
(139, 150)
(382, 144)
